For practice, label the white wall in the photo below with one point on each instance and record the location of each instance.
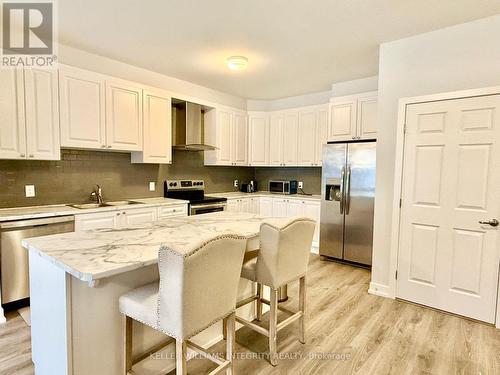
(321, 97)
(356, 86)
(461, 57)
(104, 65)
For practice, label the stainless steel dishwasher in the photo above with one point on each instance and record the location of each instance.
(14, 258)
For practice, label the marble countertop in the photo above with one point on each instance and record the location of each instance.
(93, 255)
(238, 194)
(35, 212)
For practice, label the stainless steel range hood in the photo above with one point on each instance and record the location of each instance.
(188, 131)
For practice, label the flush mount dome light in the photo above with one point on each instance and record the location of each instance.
(237, 62)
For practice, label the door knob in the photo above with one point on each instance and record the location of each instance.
(492, 222)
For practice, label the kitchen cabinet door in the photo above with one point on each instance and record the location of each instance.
(170, 211)
(312, 210)
(321, 133)
(245, 205)
(307, 138)
(12, 115)
(130, 217)
(342, 125)
(42, 114)
(259, 139)
(82, 108)
(101, 220)
(280, 207)
(367, 116)
(290, 140)
(255, 206)
(157, 129)
(266, 207)
(233, 205)
(224, 136)
(240, 139)
(123, 116)
(294, 208)
(276, 139)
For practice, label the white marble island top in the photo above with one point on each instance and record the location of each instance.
(93, 255)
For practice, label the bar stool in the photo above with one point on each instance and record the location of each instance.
(282, 258)
(198, 287)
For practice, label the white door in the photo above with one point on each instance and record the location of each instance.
(321, 134)
(342, 120)
(306, 152)
(103, 220)
(447, 258)
(276, 139)
(12, 120)
(123, 116)
(259, 140)
(42, 114)
(240, 139)
(82, 108)
(280, 207)
(224, 141)
(294, 208)
(138, 216)
(290, 141)
(157, 131)
(367, 117)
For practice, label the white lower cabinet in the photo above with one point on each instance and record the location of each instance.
(280, 206)
(123, 218)
(249, 205)
(266, 206)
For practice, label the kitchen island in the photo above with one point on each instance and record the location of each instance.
(77, 278)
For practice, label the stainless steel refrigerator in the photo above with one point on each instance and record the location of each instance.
(347, 201)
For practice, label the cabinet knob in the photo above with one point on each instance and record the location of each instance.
(22, 155)
(103, 146)
(109, 146)
(31, 155)
(118, 214)
(124, 212)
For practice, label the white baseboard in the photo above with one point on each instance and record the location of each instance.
(380, 290)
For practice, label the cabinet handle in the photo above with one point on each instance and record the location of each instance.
(118, 214)
(22, 155)
(103, 146)
(109, 146)
(31, 155)
(124, 212)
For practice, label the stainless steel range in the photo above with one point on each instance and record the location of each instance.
(194, 192)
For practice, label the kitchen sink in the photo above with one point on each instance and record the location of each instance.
(121, 203)
(84, 206)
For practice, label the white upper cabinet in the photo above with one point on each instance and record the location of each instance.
(226, 130)
(321, 133)
(289, 139)
(29, 114)
(276, 121)
(157, 128)
(12, 115)
(83, 108)
(240, 139)
(258, 124)
(42, 114)
(123, 115)
(353, 117)
(307, 137)
(367, 116)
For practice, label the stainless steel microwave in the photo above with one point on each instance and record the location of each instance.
(283, 187)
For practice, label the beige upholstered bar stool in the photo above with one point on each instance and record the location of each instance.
(282, 258)
(198, 287)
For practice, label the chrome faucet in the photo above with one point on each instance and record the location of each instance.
(97, 194)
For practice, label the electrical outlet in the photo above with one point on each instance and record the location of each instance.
(235, 183)
(152, 186)
(301, 185)
(29, 190)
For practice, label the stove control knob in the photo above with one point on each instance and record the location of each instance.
(171, 184)
(175, 183)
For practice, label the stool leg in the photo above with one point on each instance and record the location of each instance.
(127, 344)
(260, 289)
(273, 322)
(230, 329)
(180, 357)
(302, 307)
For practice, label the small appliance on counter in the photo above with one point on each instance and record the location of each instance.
(283, 187)
(250, 187)
(194, 192)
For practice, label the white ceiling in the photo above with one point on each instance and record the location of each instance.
(294, 46)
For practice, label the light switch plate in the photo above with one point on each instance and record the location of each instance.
(301, 185)
(30, 191)
(152, 186)
(235, 183)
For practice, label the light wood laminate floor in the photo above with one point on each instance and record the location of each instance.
(373, 334)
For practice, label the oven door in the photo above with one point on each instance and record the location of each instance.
(198, 209)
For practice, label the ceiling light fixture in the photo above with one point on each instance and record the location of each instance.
(237, 62)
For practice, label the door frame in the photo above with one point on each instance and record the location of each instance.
(398, 177)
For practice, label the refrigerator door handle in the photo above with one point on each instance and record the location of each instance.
(348, 190)
(342, 178)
